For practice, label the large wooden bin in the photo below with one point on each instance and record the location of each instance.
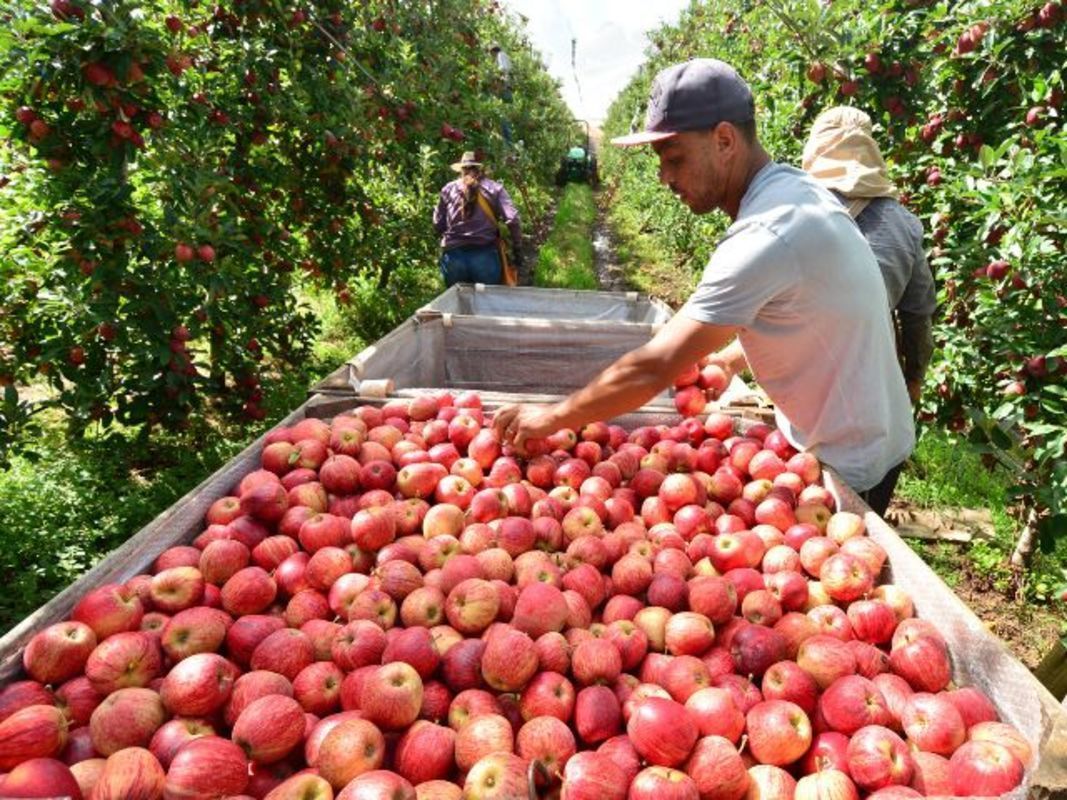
(979, 658)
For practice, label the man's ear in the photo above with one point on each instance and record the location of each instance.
(725, 137)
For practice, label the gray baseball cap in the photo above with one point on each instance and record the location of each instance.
(692, 96)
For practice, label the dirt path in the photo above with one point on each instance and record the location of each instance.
(608, 272)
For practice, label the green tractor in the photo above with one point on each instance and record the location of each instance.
(579, 164)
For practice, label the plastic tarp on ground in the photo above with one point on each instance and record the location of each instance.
(490, 353)
(527, 302)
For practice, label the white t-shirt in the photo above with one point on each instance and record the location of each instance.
(796, 275)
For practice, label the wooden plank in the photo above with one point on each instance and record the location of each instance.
(179, 524)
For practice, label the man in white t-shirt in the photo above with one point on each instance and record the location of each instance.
(793, 279)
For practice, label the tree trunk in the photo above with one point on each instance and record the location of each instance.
(1024, 547)
(1024, 550)
(218, 375)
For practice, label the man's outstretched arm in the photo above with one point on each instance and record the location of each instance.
(629, 383)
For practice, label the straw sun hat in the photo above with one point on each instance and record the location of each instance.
(467, 160)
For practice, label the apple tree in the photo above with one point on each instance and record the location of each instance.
(176, 171)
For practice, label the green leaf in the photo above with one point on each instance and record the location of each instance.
(1000, 438)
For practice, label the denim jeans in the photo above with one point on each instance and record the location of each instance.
(471, 265)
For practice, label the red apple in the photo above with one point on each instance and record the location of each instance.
(593, 776)
(318, 687)
(973, 704)
(196, 629)
(59, 652)
(682, 676)
(785, 680)
(425, 752)
(829, 750)
(845, 577)
(541, 608)
(109, 609)
(392, 696)
(472, 606)
(755, 648)
(597, 715)
(768, 782)
(714, 597)
(130, 773)
(248, 592)
(270, 728)
(830, 783)
(547, 740)
(1006, 736)
(656, 783)
(414, 646)
(852, 702)
(286, 651)
(877, 757)
(933, 723)
(199, 685)
(548, 694)
(124, 660)
(510, 660)
(779, 732)
(469, 704)
(932, 776)
(662, 731)
(596, 661)
(482, 735)
(351, 748)
(923, 663)
(247, 632)
(207, 766)
(688, 633)
(126, 718)
(985, 769)
(302, 786)
(174, 735)
(496, 776)
(826, 659)
(40, 777)
(715, 714)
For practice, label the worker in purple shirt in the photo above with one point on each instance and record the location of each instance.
(468, 215)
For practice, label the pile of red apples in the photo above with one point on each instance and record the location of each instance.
(396, 606)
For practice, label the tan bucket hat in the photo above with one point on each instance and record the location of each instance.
(843, 156)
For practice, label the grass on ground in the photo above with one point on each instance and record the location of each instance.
(643, 264)
(566, 258)
(943, 473)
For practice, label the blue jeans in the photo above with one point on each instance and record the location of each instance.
(471, 265)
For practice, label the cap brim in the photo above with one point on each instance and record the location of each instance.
(644, 137)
